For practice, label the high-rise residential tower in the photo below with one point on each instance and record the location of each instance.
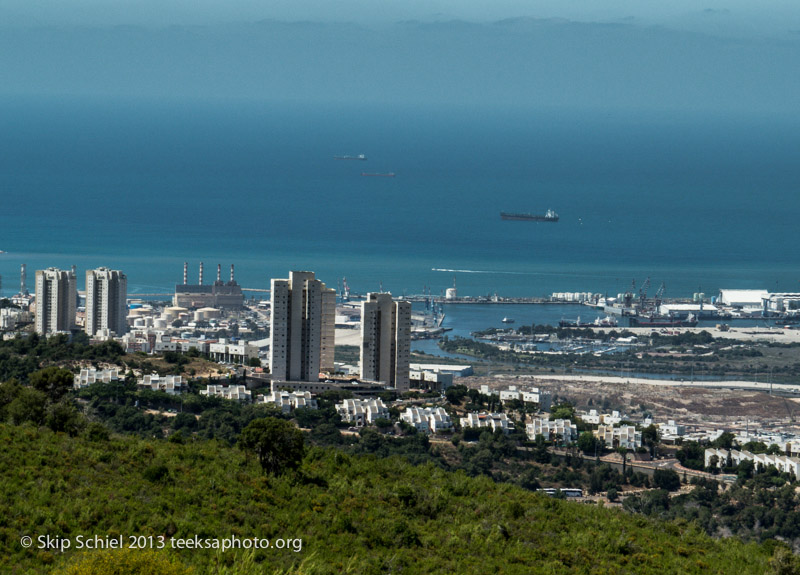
(385, 340)
(106, 301)
(302, 330)
(56, 295)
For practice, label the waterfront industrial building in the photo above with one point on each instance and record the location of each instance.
(106, 302)
(303, 328)
(56, 299)
(219, 295)
(386, 340)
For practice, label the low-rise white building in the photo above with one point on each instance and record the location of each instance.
(493, 421)
(783, 463)
(231, 392)
(526, 395)
(224, 351)
(89, 376)
(552, 430)
(362, 412)
(172, 384)
(286, 401)
(595, 418)
(671, 430)
(782, 303)
(745, 299)
(435, 380)
(624, 436)
(456, 370)
(427, 419)
(10, 317)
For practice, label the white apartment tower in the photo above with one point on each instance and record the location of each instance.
(302, 330)
(106, 301)
(385, 340)
(56, 295)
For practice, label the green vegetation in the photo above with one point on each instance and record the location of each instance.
(356, 514)
(277, 443)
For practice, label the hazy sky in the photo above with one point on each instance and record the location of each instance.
(728, 56)
(773, 17)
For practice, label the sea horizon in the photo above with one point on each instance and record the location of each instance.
(698, 204)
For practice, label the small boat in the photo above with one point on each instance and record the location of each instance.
(379, 174)
(508, 320)
(358, 157)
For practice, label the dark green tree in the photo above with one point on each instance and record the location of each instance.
(651, 437)
(277, 443)
(667, 479)
(587, 442)
(52, 381)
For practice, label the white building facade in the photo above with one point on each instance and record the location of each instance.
(560, 430)
(492, 421)
(427, 419)
(624, 436)
(386, 340)
(56, 299)
(106, 302)
(302, 330)
(362, 412)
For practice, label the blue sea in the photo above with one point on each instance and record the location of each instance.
(697, 201)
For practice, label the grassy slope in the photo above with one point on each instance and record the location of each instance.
(355, 515)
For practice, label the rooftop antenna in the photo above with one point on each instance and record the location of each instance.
(185, 273)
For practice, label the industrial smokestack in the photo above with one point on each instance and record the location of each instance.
(219, 273)
(185, 273)
(23, 279)
(201, 273)
(231, 273)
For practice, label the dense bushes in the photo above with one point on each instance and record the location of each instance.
(357, 514)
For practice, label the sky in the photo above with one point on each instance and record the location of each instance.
(734, 17)
(730, 17)
(730, 57)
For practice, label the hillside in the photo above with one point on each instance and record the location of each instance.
(354, 514)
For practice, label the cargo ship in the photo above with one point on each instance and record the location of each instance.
(379, 174)
(604, 322)
(659, 321)
(549, 216)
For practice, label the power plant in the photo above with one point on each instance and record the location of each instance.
(220, 295)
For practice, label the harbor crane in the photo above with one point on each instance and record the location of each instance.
(643, 293)
(660, 294)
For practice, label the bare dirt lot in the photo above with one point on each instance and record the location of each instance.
(692, 406)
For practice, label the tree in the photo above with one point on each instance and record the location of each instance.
(651, 437)
(667, 479)
(52, 381)
(563, 411)
(455, 394)
(623, 451)
(587, 442)
(28, 405)
(277, 443)
(724, 441)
